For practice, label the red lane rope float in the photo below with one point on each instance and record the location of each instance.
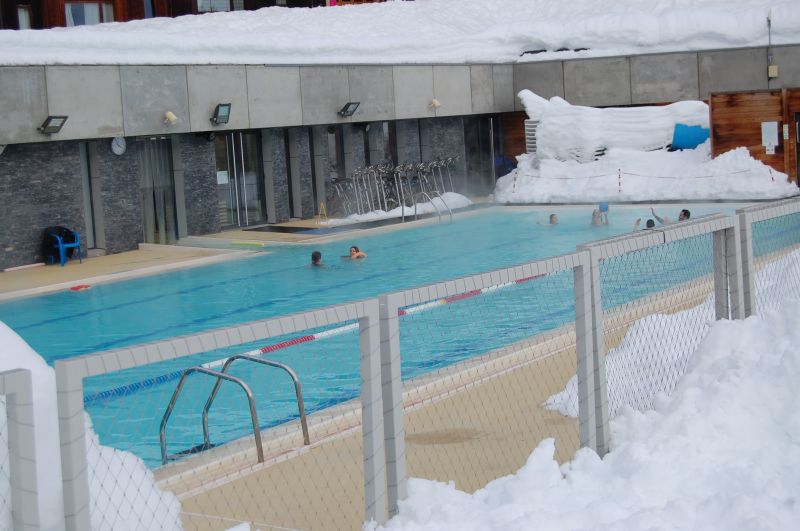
(80, 287)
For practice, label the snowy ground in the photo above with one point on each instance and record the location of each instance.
(423, 31)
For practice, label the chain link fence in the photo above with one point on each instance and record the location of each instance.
(655, 294)
(478, 358)
(771, 238)
(285, 436)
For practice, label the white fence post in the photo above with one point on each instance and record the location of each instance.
(17, 386)
(72, 436)
(733, 259)
(394, 433)
(584, 342)
(598, 354)
(372, 414)
(748, 274)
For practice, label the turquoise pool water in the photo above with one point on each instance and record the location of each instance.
(135, 311)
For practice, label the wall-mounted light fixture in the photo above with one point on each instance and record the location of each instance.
(349, 108)
(170, 118)
(221, 113)
(52, 125)
(434, 104)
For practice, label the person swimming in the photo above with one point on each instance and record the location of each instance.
(553, 219)
(356, 253)
(316, 258)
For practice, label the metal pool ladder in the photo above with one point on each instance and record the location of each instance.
(222, 375)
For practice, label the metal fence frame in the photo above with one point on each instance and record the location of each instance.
(391, 356)
(728, 288)
(71, 372)
(17, 386)
(747, 216)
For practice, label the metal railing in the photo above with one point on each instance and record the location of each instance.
(162, 432)
(295, 381)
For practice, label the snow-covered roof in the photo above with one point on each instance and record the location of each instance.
(422, 32)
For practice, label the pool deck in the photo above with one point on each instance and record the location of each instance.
(149, 259)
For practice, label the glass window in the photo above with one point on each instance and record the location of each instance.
(86, 13)
(148, 8)
(24, 17)
(213, 6)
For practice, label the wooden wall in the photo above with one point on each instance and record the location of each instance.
(736, 121)
(513, 133)
(790, 116)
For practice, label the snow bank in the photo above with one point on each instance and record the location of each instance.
(572, 132)
(586, 155)
(449, 200)
(123, 495)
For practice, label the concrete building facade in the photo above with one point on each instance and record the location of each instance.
(172, 172)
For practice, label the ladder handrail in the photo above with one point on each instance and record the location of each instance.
(218, 375)
(292, 374)
(431, 202)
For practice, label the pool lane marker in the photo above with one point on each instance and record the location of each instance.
(131, 388)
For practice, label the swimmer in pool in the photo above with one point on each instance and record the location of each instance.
(356, 253)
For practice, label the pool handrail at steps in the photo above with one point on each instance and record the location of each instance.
(295, 381)
(430, 200)
(220, 376)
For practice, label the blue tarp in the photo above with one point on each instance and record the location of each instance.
(689, 136)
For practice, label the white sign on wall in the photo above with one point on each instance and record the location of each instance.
(769, 136)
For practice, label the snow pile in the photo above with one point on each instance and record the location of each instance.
(449, 201)
(586, 155)
(720, 453)
(123, 496)
(424, 31)
(573, 132)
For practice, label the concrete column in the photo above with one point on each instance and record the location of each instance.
(276, 184)
(353, 143)
(178, 179)
(408, 143)
(377, 143)
(441, 138)
(300, 172)
(319, 142)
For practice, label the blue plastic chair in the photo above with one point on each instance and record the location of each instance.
(62, 247)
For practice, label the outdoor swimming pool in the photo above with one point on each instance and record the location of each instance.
(146, 309)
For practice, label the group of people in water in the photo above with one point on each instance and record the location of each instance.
(355, 254)
(600, 217)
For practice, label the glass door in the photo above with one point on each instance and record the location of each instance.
(240, 188)
(157, 191)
